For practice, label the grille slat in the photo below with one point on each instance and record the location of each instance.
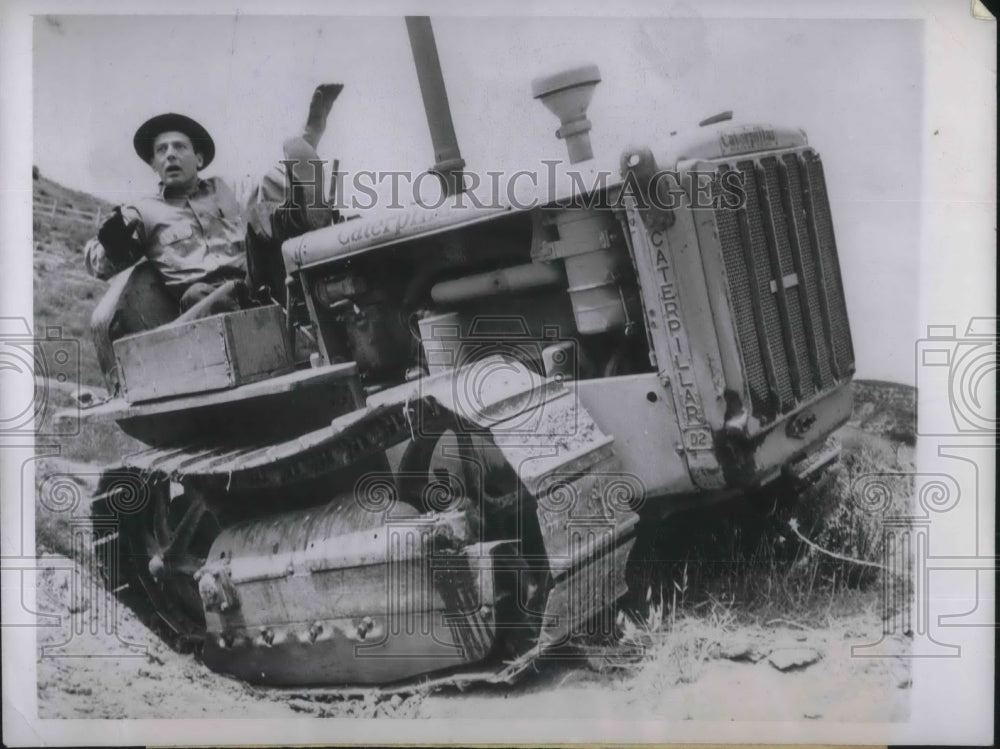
(784, 281)
(776, 224)
(739, 292)
(805, 266)
(827, 250)
(762, 272)
(824, 301)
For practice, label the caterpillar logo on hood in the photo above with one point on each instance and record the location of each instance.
(754, 138)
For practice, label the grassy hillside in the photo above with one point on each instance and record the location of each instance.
(886, 408)
(65, 295)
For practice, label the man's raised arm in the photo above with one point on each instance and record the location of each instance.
(288, 200)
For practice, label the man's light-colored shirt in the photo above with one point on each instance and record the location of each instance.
(186, 238)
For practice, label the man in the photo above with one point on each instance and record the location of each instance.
(193, 231)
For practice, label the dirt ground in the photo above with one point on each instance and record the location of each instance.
(697, 670)
(87, 669)
(731, 678)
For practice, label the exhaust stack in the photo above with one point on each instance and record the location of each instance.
(449, 162)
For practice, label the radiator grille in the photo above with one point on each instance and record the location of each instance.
(784, 282)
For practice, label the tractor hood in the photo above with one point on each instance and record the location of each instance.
(383, 228)
(556, 184)
(553, 184)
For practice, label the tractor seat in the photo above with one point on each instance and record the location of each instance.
(137, 300)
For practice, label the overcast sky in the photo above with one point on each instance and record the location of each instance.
(854, 86)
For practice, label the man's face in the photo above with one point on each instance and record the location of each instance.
(175, 161)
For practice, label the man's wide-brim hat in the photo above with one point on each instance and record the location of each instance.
(171, 122)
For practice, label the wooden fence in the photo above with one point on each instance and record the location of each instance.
(52, 208)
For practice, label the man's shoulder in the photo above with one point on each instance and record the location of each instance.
(221, 190)
(222, 193)
(216, 184)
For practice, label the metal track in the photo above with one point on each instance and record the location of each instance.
(565, 464)
(120, 510)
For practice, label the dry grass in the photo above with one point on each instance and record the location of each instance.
(719, 568)
(727, 579)
(679, 642)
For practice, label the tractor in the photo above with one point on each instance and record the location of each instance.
(436, 447)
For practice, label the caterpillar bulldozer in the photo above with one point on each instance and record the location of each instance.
(437, 450)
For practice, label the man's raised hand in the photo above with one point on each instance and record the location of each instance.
(319, 109)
